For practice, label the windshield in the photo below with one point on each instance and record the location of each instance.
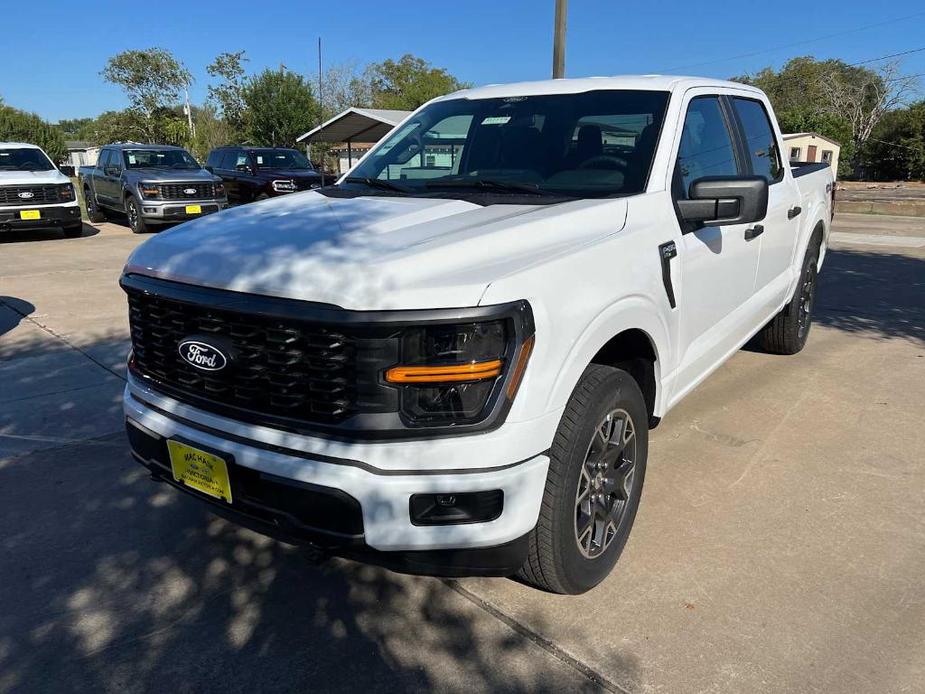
(159, 159)
(25, 159)
(280, 159)
(593, 144)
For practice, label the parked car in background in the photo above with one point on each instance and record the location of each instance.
(257, 173)
(151, 185)
(450, 364)
(33, 193)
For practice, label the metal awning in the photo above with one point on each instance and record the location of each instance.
(366, 125)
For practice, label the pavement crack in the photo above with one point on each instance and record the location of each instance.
(539, 640)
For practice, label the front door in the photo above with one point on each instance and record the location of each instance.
(717, 263)
(811, 153)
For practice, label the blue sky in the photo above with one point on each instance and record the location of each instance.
(53, 50)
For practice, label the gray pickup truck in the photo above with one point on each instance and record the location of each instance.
(151, 184)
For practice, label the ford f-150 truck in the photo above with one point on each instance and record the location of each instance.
(151, 184)
(449, 362)
(33, 193)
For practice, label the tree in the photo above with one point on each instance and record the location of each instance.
(77, 128)
(19, 126)
(407, 83)
(841, 101)
(152, 79)
(118, 126)
(228, 94)
(896, 148)
(280, 107)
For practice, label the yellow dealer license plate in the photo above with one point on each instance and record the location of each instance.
(30, 214)
(204, 472)
(194, 209)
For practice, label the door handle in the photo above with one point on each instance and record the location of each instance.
(794, 211)
(754, 232)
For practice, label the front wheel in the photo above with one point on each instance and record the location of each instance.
(94, 213)
(135, 221)
(596, 471)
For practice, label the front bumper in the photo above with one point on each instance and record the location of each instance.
(64, 215)
(368, 507)
(166, 211)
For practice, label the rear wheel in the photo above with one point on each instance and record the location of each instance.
(94, 213)
(596, 471)
(135, 221)
(788, 330)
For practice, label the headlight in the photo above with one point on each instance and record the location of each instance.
(455, 374)
(284, 186)
(149, 191)
(67, 192)
(219, 190)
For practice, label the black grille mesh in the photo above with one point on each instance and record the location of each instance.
(9, 195)
(177, 191)
(279, 367)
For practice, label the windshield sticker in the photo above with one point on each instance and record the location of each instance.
(259, 159)
(131, 159)
(495, 120)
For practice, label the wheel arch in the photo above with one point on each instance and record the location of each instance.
(631, 335)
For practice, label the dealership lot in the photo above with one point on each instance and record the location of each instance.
(779, 546)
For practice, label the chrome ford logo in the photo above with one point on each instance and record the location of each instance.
(189, 191)
(27, 195)
(202, 355)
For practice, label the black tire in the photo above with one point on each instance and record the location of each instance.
(563, 556)
(135, 221)
(94, 213)
(73, 232)
(788, 330)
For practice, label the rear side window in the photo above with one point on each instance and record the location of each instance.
(706, 144)
(215, 159)
(760, 142)
(229, 157)
(103, 159)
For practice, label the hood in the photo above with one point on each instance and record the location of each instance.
(289, 173)
(370, 253)
(172, 175)
(25, 178)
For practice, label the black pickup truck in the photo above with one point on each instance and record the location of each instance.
(257, 173)
(151, 184)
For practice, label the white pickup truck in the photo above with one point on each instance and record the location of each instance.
(34, 194)
(448, 363)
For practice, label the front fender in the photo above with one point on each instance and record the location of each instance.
(632, 312)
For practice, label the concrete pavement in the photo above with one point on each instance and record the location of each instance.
(779, 545)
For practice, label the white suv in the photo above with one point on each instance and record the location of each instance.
(33, 193)
(449, 362)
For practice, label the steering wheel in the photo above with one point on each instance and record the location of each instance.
(604, 161)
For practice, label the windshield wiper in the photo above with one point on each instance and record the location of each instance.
(380, 183)
(490, 183)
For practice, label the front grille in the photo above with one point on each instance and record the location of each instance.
(41, 195)
(280, 368)
(177, 191)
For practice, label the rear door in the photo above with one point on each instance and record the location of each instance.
(717, 263)
(781, 225)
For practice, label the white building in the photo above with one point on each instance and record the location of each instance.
(812, 147)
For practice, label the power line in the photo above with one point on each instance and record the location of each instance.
(884, 57)
(798, 43)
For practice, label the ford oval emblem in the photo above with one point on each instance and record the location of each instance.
(202, 355)
(189, 191)
(27, 195)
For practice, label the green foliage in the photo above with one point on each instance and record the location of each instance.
(228, 94)
(280, 107)
(118, 126)
(152, 79)
(77, 128)
(408, 83)
(19, 126)
(896, 149)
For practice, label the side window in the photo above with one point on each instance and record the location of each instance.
(240, 159)
(827, 156)
(229, 156)
(215, 159)
(795, 154)
(759, 139)
(115, 161)
(103, 159)
(706, 144)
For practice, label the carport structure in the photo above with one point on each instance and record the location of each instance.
(360, 125)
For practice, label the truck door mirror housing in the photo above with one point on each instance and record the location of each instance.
(208, 168)
(721, 200)
(244, 168)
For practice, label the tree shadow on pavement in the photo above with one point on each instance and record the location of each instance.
(872, 293)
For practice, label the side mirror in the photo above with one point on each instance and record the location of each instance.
(244, 168)
(720, 200)
(208, 168)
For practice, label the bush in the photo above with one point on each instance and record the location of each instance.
(19, 126)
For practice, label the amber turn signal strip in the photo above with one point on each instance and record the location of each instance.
(445, 374)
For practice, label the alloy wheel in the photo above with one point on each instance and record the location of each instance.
(605, 482)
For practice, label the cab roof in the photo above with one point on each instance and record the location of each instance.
(18, 145)
(586, 84)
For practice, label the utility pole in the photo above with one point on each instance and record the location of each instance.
(320, 105)
(558, 41)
